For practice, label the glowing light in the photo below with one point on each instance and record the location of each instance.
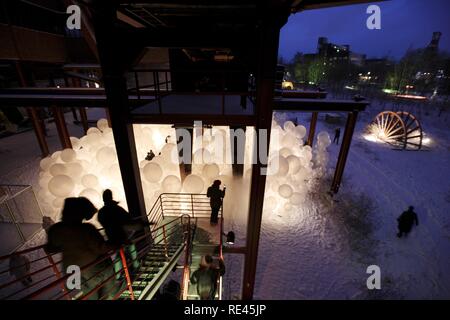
(410, 96)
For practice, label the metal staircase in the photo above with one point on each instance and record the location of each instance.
(140, 274)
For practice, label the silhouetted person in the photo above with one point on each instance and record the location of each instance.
(215, 196)
(117, 222)
(337, 134)
(150, 155)
(19, 267)
(206, 277)
(81, 244)
(406, 221)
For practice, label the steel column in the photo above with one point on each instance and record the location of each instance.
(37, 125)
(61, 127)
(114, 55)
(312, 129)
(267, 52)
(343, 153)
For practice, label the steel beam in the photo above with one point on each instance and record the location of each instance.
(267, 52)
(37, 125)
(343, 153)
(61, 127)
(113, 60)
(312, 129)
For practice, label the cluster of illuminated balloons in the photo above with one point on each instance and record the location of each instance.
(91, 166)
(293, 167)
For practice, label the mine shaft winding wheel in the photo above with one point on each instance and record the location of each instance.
(401, 129)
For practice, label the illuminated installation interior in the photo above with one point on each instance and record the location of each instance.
(92, 165)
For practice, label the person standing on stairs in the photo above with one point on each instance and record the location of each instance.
(215, 196)
(117, 221)
(206, 277)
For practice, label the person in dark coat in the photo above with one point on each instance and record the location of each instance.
(81, 244)
(406, 221)
(205, 278)
(337, 134)
(215, 196)
(119, 225)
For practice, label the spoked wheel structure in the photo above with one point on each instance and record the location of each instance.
(401, 129)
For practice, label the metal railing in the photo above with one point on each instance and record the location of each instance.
(39, 274)
(161, 85)
(20, 216)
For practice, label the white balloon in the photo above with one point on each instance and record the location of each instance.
(289, 126)
(285, 152)
(285, 191)
(210, 170)
(193, 184)
(74, 170)
(56, 156)
(300, 132)
(58, 203)
(93, 130)
(68, 155)
(46, 163)
(43, 181)
(278, 166)
(152, 172)
(75, 143)
(102, 124)
(171, 184)
(61, 186)
(296, 199)
(270, 203)
(294, 164)
(289, 140)
(58, 169)
(89, 181)
(106, 156)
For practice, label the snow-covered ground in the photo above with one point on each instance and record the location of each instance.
(322, 251)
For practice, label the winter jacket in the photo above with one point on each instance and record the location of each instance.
(215, 196)
(206, 280)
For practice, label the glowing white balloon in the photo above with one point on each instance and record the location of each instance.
(285, 191)
(68, 155)
(102, 124)
(58, 169)
(300, 132)
(74, 170)
(75, 143)
(171, 184)
(289, 140)
(93, 130)
(90, 181)
(46, 163)
(61, 186)
(289, 126)
(270, 203)
(294, 164)
(296, 199)
(152, 172)
(278, 166)
(211, 170)
(106, 156)
(285, 152)
(193, 184)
